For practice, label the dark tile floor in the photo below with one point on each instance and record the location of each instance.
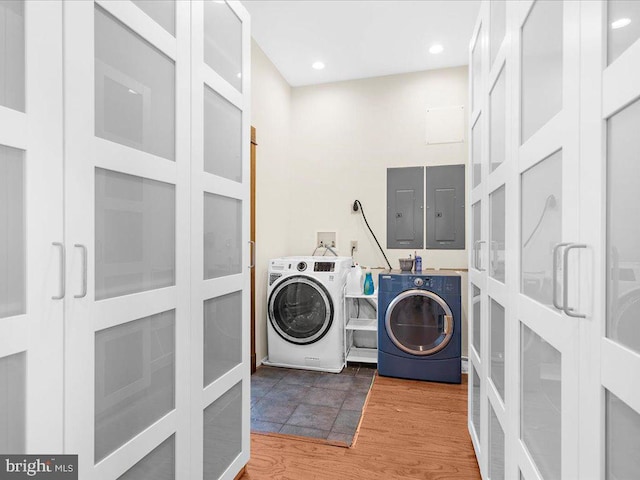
(308, 403)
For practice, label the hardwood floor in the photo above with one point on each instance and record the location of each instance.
(410, 430)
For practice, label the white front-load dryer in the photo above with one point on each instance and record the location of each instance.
(305, 313)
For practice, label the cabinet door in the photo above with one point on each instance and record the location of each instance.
(220, 277)
(548, 332)
(32, 288)
(127, 222)
(609, 173)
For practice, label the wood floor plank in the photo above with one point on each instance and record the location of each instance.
(410, 431)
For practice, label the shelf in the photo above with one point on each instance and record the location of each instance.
(365, 324)
(363, 355)
(373, 296)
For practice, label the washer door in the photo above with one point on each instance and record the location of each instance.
(419, 322)
(301, 310)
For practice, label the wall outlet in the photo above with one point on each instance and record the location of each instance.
(354, 246)
(324, 239)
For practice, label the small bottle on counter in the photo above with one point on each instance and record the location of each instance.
(368, 283)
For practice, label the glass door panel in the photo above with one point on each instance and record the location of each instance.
(496, 366)
(476, 59)
(498, 110)
(223, 142)
(12, 54)
(222, 432)
(476, 218)
(622, 439)
(161, 11)
(542, 66)
(623, 233)
(541, 227)
(134, 89)
(498, 20)
(497, 234)
(223, 42)
(135, 234)
(222, 236)
(222, 335)
(623, 26)
(496, 447)
(157, 465)
(540, 402)
(475, 400)
(476, 152)
(13, 415)
(477, 319)
(12, 232)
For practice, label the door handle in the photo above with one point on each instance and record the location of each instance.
(475, 254)
(253, 253)
(479, 260)
(83, 249)
(554, 274)
(565, 281)
(63, 273)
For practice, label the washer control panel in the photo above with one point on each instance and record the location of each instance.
(302, 266)
(418, 282)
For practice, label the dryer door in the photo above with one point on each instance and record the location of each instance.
(301, 310)
(419, 322)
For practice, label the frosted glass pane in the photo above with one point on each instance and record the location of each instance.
(222, 236)
(496, 365)
(498, 131)
(13, 398)
(477, 319)
(223, 42)
(541, 226)
(541, 406)
(222, 335)
(134, 379)
(476, 212)
(134, 89)
(162, 12)
(496, 447)
(222, 137)
(12, 232)
(476, 152)
(159, 464)
(475, 402)
(476, 72)
(623, 26)
(12, 54)
(622, 439)
(135, 234)
(498, 26)
(623, 229)
(497, 231)
(541, 66)
(222, 432)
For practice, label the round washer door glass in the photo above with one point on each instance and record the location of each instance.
(300, 310)
(419, 322)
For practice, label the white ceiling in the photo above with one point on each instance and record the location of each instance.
(360, 38)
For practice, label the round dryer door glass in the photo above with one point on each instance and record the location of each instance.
(419, 322)
(300, 310)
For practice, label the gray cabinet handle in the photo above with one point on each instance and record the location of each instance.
(253, 253)
(63, 274)
(554, 273)
(83, 249)
(565, 281)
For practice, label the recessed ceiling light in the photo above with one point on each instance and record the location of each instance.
(318, 65)
(437, 48)
(621, 22)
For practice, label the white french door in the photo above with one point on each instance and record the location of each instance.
(127, 177)
(32, 282)
(610, 177)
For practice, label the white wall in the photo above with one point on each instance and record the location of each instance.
(270, 115)
(343, 136)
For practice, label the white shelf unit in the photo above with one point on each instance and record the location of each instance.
(361, 328)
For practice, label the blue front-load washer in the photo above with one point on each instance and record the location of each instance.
(419, 326)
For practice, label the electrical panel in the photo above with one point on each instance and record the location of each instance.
(405, 207)
(445, 207)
